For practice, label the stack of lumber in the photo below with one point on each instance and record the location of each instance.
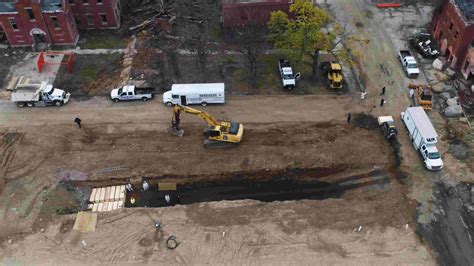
(107, 198)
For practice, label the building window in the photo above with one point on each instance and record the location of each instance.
(100, 2)
(55, 22)
(31, 16)
(466, 65)
(77, 19)
(90, 19)
(451, 26)
(103, 18)
(13, 23)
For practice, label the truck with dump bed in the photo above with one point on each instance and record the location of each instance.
(408, 63)
(423, 136)
(195, 93)
(42, 94)
(131, 93)
(387, 126)
(288, 79)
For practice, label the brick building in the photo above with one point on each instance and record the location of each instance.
(247, 12)
(34, 22)
(453, 27)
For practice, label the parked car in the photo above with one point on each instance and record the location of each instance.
(424, 45)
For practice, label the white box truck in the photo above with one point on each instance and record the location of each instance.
(197, 93)
(423, 136)
(42, 94)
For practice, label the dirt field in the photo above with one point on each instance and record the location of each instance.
(305, 133)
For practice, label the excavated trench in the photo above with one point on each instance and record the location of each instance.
(288, 185)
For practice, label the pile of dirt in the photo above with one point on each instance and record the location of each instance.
(459, 149)
(365, 121)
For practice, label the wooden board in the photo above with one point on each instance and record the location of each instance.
(102, 194)
(95, 207)
(166, 186)
(92, 196)
(122, 192)
(117, 193)
(85, 222)
(107, 194)
(112, 193)
(97, 195)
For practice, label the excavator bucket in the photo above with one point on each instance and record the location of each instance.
(176, 131)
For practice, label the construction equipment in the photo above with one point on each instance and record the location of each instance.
(333, 70)
(387, 126)
(423, 96)
(218, 134)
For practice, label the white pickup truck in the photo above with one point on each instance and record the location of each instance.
(408, 63)
(288, 79)
(42, 94)
(423, 136)
(131, 93)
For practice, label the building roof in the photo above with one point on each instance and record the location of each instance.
(7, 6)
(422, 121)
(466, 8)
(51, 5)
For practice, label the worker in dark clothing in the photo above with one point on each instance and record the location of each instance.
(175, 122)
(382, 101)
(349, 116)
(78, 121)
(383, 91)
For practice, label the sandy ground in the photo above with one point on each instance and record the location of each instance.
(280, 132)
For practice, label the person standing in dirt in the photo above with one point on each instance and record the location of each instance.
(412, 93)
(145, 185)
(383, 91)
(382, 102)
(349, 116)
(78, 121)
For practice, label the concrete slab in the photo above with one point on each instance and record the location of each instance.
(29, 69)
(85, 222)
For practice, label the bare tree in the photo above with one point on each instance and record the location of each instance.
(198, 17)
(250, 41)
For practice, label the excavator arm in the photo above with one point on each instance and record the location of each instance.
(201, 114)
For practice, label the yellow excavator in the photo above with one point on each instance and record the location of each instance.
(218, 133)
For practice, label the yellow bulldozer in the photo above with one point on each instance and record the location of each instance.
(333, 72)
(423, 96)
(218, 133)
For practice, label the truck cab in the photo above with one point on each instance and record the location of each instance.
(431, 157)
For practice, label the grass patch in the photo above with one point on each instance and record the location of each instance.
(102, 40)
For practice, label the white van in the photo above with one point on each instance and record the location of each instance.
(198, 93)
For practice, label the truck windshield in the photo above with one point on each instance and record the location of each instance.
(434, 155)
(120, 91)
(413, 65)
(287, 76)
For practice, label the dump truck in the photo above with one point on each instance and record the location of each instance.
(288, 79)
(409, 64)
(423, 96)
(423, 136)
(42, 94)
(131, 93)
(387, 126)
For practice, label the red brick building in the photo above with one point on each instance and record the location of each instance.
(248, 12)
(453, 27)
(31, 22)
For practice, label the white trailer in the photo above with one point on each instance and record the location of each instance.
(197, 93)
(423, 136)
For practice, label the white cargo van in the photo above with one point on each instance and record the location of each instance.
(423, 136)
(198, 93)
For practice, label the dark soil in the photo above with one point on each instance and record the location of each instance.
(451, 229)
(365, 121)
(283, 186)
(92, 75)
